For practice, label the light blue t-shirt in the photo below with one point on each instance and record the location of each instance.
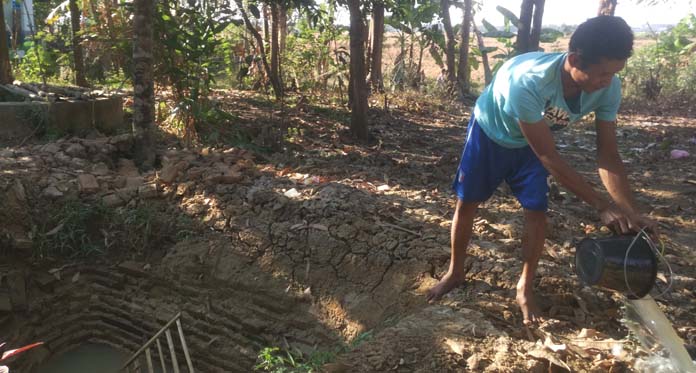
(528, 87)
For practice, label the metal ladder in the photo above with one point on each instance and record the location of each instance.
(133, 365)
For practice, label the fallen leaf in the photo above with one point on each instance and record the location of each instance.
(555, 347)
(546, 355)
(456, 347)
(473, 362)
(590, 333)
(76, 277)
(292, 193)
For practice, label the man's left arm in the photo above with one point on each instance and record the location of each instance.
(613, 172)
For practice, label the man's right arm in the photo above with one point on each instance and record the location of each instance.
(541, 141)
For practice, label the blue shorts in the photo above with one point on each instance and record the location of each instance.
(485, 165)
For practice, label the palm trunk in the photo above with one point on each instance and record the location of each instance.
(76, 46)
(606, 7)
(449, 43)
(358, 113)
(5, 66)
(463, 70)
(143, 83)
(376, 48)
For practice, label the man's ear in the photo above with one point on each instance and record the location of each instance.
(575, 60)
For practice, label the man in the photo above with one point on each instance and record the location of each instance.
(509, 138)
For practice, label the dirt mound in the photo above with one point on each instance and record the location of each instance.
(348, 237)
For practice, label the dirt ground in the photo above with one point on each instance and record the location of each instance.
(357, 233)
(386, 210)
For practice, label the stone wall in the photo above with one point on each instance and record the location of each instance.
(124, 305)
(19, 119)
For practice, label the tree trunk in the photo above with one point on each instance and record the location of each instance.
(525, 26)
(606, 7)
(376, 48)
(76, 46)
(266, 27)
(143, 83)
(488, 76)
(275, 47)
(529, 28)
(5, 67)
(283, 20)
(463, 69)
(358, 113)
(536, 25)
(276, 84)
(449, 43)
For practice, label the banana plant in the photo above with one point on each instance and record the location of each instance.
(412, 19)
(505, 36)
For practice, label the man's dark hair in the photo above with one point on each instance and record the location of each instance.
(603, 36)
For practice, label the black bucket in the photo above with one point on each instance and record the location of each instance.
(602, 262)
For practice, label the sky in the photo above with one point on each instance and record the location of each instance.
(573, 12)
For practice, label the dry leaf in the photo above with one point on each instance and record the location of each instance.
(604, 344)
(455, 346)
(473, 362)
(590, 333)
(548, 343)
(545, 354)
(76, 277)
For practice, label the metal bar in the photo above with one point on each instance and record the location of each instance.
(172, 351)
(148, 357)
(151, 341)
(161, 356)
(136, 365)
(183, 344)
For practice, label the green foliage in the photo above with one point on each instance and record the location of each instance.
(549, 35)
(78, 229)
(45, 56)
(413, 18)
(73, 231)
(316, 55)
(505, 36)
(273, 359)
(188, 56)
(667, 68)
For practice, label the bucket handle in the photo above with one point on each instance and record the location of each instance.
(657, 252)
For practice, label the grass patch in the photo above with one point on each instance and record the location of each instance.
(277, 360)
(80, 229)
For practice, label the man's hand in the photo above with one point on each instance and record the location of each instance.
(622, 222)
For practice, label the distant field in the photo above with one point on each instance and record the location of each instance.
(431, 69)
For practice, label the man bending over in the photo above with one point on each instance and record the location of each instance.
(510, 138)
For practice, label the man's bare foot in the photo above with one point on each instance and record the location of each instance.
(530, 310)
(446, 284)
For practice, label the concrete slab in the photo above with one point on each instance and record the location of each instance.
(19, 119)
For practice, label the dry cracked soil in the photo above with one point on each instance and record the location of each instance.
(330, 244)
